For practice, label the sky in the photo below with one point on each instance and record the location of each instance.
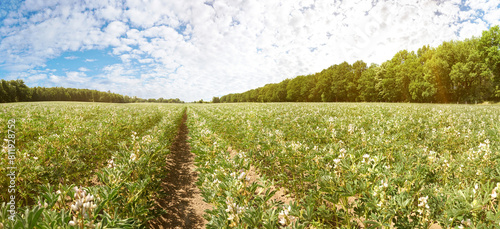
(197, 49)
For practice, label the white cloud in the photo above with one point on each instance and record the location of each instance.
(76, 77)
(71, 57)
(55, 79)
(192, 50)
(34, 78)
(116, 28)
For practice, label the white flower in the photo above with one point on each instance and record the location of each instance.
(79, 203)
(351, 129)
(366, 156)
(336, 160)
(72, 223)
(89, 198)
(283, 216)
(242, 175)
(133, 157)
(283, 221)
(422, 202)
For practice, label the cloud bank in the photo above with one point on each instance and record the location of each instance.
(198, 49)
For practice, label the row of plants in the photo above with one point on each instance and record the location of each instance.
(372, 165)
(240, 199)
(121, 149)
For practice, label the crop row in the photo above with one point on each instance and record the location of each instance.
(240, 197)
(82, 165)
(372, 165)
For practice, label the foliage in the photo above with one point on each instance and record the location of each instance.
(112, 155)
(456, 71)
(340, 165)
(238, 200)
(17, 91)
(358, 165)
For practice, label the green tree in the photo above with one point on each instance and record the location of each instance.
(341, 74)
(471, 78)
(353, 89)
(367, 85)
(489, 48)
(298, 89)
(387, 84)
(323, 87)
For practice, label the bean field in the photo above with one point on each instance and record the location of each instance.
(282, 165)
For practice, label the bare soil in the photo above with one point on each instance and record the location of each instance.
(253, 175)
(183, 204)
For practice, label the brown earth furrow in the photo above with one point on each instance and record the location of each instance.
(183, 204)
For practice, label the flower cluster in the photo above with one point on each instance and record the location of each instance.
(379, 191)
(234, 211)
(466, 223)
(337, 161)
(367, 159)
(133, 157)
(82, 207)
(483, 149)
(423, 205)
(134, 135)
(284, 217)
(111, 162)
(242, 176)
(351, 129)
(494, 193)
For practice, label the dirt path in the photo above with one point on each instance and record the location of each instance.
(183, 203)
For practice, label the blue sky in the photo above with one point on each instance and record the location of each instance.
(196, 49)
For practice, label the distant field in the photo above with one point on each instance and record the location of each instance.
(335, 164)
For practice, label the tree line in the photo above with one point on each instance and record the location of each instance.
(17, 91)
(465, 71)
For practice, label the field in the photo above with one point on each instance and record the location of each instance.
(299, 165)
(68, 152)
(352, 165)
